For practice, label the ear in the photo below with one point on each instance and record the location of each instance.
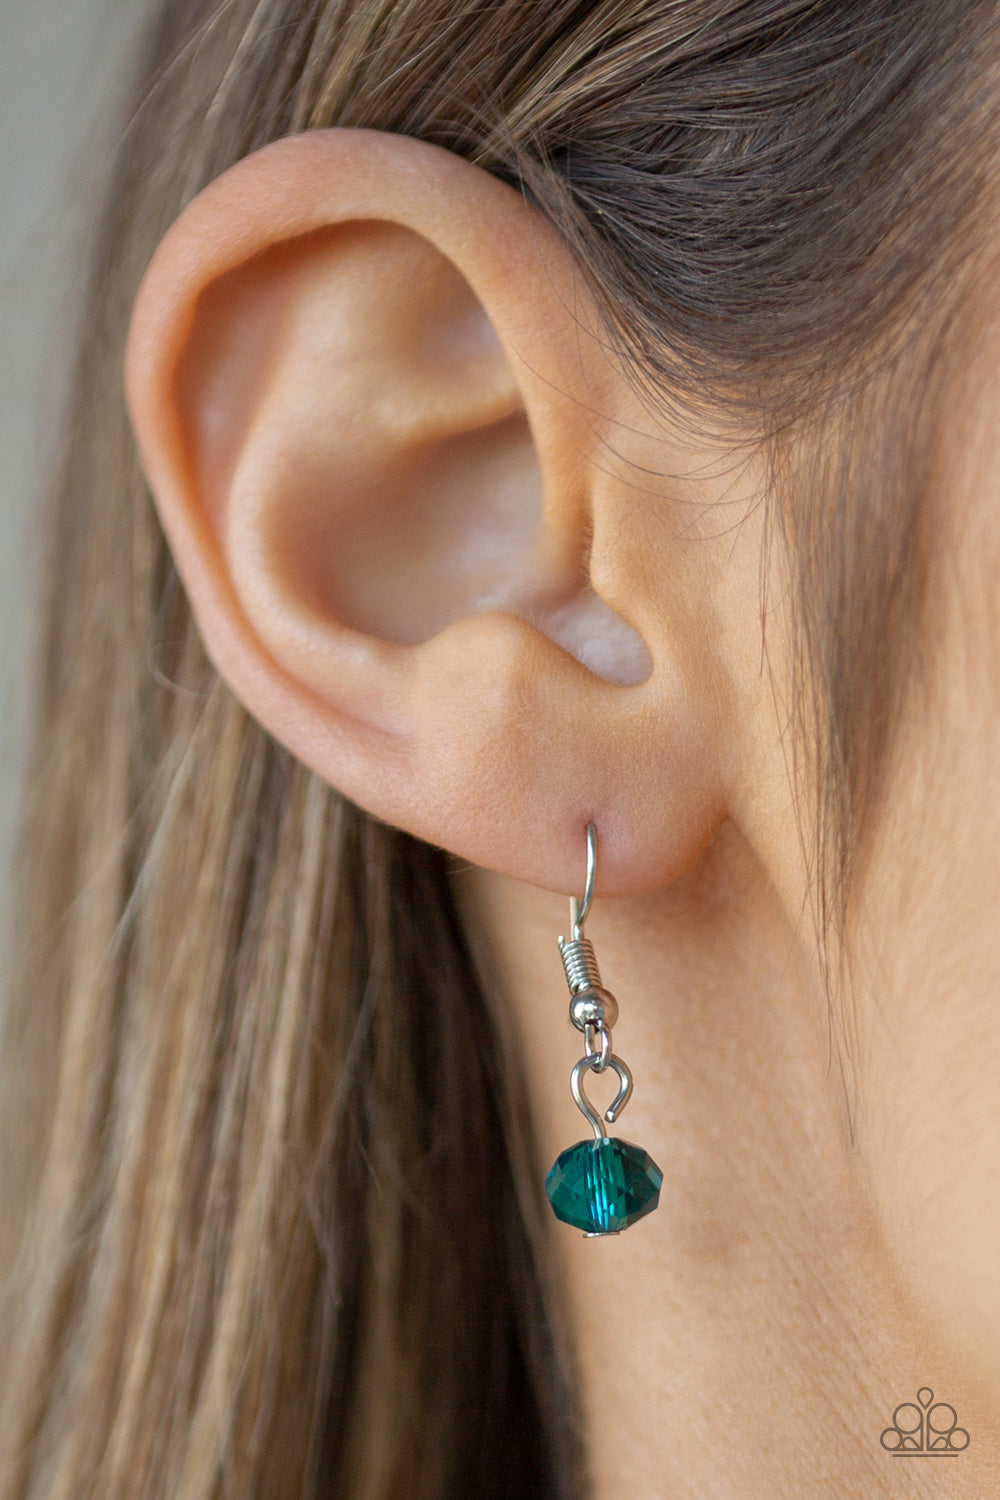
(372, 403)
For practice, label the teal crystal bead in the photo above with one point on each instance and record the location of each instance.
(603, 1186)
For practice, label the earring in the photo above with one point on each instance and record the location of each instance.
(600, 1186)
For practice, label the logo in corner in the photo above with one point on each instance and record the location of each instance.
(924, 1429)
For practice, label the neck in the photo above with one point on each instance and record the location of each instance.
(747, 1338)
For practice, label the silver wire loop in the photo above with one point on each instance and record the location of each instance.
(584, 1105)
(578, 911)
(602, 1052)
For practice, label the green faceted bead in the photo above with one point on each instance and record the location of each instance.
(603, 1186)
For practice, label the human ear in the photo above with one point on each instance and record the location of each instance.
(368, 391)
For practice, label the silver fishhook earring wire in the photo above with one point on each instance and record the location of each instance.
(602, 1185)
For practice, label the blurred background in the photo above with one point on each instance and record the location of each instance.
(64, 66)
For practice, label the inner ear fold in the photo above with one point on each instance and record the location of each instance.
(453, 530)
(361, 444)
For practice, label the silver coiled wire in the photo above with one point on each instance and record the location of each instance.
(579, 964)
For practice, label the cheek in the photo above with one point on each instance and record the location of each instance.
(928, 981)
(931, 1141)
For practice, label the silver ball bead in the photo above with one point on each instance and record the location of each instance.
(593, 1007)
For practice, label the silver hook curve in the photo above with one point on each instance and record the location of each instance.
(584, 1105)
(578, 910)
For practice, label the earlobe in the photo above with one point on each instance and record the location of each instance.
(355, 373)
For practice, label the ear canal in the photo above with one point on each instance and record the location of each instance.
(382, 472)
(599, 638)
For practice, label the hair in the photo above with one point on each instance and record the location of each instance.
(271, 1223)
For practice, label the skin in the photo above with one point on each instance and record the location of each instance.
(443, 551)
